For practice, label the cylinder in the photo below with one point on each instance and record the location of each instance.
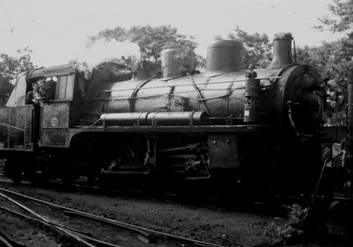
(125, 118)
(282, 51)
(156, 118)
(224, 56)
(171, 62)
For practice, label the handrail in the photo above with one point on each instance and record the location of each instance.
(136, 90)
(188, 84)
(199, 93)
(13, 127)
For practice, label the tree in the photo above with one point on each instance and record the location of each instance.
(151, 41)
(332, 65)
(338, 55)
(341, 19)
(9, 68)
(257, 47)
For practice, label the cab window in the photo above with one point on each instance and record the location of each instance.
(64, 87)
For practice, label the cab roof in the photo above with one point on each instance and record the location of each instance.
(51, 71)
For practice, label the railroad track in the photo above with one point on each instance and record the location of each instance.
(187, 195)
(60, 216)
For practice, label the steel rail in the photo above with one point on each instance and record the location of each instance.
(121, 224)
(125, 225)
(7, 242)
(49, 223)
(81, 234)
(4, 242)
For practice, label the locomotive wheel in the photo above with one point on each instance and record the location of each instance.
(124, 156)
(67, 180)
(14, 170)
(69, 174)
(39, 176)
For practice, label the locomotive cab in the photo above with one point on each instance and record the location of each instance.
(42, 100)
(16, 120)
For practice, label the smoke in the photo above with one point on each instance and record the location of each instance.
(101, 51)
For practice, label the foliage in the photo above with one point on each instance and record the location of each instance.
(333, 64)
(338, 62)
(334, 60)
(257, 47)
(9, 68)
(151, 41)
(341, 19)
(291, 229)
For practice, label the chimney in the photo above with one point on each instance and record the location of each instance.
(282, 51)
(224, 56)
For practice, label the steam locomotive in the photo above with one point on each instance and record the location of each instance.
(258, 126)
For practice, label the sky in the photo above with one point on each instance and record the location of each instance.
(57, 31)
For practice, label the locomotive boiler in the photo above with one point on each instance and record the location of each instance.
(259, 124)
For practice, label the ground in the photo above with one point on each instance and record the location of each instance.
(226, 226)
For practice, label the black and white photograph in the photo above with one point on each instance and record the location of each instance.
(182, 123)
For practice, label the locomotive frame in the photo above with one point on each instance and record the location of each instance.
(247, 126)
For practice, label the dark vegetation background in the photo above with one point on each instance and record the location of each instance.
(332, 60)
